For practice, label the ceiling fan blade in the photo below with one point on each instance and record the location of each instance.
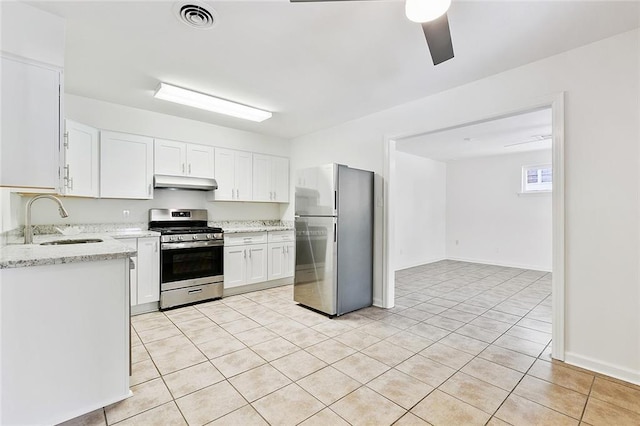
(438, 37)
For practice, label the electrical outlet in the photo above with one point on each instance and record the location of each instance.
(125, 214)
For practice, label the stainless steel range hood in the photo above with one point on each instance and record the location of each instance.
(184, 182)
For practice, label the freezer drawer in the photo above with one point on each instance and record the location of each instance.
(185, 295)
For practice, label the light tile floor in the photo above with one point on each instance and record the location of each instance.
(465, 344)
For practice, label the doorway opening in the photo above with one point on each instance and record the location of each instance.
(481, 204)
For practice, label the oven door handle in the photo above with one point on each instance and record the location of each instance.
(194, 244)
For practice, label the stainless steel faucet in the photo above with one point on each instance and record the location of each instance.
(28, 230)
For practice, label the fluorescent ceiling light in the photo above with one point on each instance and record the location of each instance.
(182, 96)
(426, 10)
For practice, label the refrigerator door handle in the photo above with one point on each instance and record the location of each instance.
(335, 232)
(335, 201)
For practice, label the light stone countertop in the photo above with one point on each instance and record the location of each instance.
(263, 228)
(18, 255)
(237, 226)
(132, 233)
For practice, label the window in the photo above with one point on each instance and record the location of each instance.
(537, 178)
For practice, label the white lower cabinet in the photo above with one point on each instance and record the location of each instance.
(256, 257)
(282, 252)
(145, 270)
(73, 356)
(245, 263)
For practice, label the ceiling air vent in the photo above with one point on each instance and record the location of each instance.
(196, 14)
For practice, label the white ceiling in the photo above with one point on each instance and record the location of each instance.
(507, 135)
(315, 65)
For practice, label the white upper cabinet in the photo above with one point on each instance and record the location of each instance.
(31, 124)
(262, 177)
(126, 166)
(170, 157)
(270, 178)
(233, 174)
(280, 179)
(200, 161)
(243, 171)
(183, 159)
(81, 160)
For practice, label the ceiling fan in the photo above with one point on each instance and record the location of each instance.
(432, 14)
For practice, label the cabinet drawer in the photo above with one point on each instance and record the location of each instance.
(281, 236)
(245, 238)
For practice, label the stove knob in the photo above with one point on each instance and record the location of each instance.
(173, 238)
(209, 236)
(195, 237)
(180, 238)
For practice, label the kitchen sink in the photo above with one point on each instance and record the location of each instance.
(67, 242)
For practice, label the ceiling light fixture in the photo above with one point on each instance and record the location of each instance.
(190, 98)
(426, 10)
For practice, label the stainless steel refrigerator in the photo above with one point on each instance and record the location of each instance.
(334, 239)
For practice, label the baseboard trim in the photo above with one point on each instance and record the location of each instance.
(378, 302)
(145, 308)
(419, 263)
(506, 265)
(255, 287)
(606, 368)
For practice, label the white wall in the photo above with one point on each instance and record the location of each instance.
(420, 210)
(109, 116)
(602, 129)
(488, 221)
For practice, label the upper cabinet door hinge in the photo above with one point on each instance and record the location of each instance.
(66, 140)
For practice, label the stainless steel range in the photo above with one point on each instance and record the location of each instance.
(191, 256)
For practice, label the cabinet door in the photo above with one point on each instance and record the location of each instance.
(289, 259)
(200, 161)
(235, 266)
(276, 259)
(170, 157)
(133, 269)
(256, 263)
(262, 186)
(243, 173)
(280, 179)
(148, 270)
(31, 125)
(224, 174)
(81, 160)
(126, 166)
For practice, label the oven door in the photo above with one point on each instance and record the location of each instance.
(185, 264)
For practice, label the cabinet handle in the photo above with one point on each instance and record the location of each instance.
(189, 168)
(182, 168)
(244, 253)
(156, 247)
(282, 249)
(249, 253)
(71, 183)
(198, 290)
(237, 193)
(66, 176)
